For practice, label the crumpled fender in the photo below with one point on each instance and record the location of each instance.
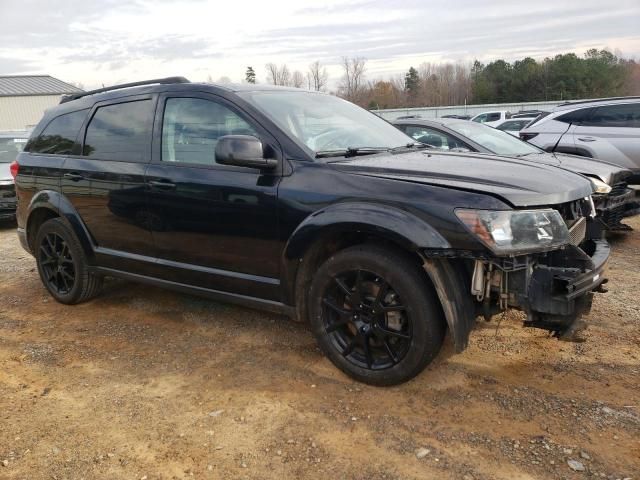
(455, 298)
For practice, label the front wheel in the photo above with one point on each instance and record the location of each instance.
(375, 315)
(62, 264)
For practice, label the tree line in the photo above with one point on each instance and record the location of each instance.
(598, 73)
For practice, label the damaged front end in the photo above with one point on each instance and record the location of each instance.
(555, 287)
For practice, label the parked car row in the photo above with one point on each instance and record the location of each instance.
(302, 203)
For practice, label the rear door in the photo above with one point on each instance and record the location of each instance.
(612, 133)
(217, 224)
(105, 179)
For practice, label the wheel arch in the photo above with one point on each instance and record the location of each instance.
(47, 204)
(342, 225)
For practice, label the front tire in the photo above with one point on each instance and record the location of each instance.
(375, 315)
(62, 264)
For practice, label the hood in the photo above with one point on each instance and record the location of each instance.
(5, 173)
(519, 182)
(605, 171)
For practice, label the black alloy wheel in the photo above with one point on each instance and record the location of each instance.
(375, 314)
(56, 261)
(368, 323)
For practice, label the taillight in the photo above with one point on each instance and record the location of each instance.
(13, 168)
(527, 136)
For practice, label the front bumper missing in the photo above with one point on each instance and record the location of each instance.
(560, 291)
(612, 209)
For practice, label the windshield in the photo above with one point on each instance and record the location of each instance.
(325, 122)
(494, 140)
(10, 147)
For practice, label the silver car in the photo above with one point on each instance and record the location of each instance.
(11, 143)
(608, 129)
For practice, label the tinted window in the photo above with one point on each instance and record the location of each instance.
(191, 128)
(59, 135)
(514, 126)
(616, 116)
(120, 132)
(577, 116)
(493, 117)
(433, 137)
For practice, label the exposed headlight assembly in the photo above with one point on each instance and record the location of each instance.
(599, 186)
(511, 232)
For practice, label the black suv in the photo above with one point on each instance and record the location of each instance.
(302, 203)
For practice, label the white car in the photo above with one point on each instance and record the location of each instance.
(492, 118)
(514, 125)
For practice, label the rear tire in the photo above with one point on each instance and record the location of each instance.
(375, 315)
(62, 264)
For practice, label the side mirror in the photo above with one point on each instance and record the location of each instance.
(243, 151)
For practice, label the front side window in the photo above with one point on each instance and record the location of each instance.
(121, 131)
(325, 123)
(191, 128)
(433, 137)
(627, 115)
(59, 136)
(480, 118)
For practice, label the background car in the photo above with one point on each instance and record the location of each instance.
(613, 199)
(608, 129)
(11, 143)
(492, 118)
(459, 117)
(514, 125)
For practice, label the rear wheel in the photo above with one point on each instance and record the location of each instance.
(62, 264)
(375, 316)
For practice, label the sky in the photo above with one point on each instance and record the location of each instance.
(102, 42)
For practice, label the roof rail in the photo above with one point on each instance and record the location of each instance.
(593, 100)
(161, 81)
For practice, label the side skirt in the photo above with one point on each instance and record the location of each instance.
(237, 299)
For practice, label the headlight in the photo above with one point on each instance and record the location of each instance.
(508, 232)
(599, 186)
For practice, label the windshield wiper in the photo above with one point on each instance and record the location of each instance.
(350, 152)
(417, 145)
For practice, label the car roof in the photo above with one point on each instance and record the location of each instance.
(88, 99)
(600, 101)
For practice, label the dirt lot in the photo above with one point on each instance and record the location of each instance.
(143, 383)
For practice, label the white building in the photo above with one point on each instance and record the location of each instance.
(24, 98)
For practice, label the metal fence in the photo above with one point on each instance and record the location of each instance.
(435, 112)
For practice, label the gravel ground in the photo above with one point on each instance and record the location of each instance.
(144, 384)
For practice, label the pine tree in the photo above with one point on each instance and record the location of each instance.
(250, 75)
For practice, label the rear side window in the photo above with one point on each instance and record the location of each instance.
(493, 117)
(575, 117)
(627, 115)
(120, 132)
(59, 135)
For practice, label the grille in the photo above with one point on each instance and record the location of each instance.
(578, 231)
(618, 189)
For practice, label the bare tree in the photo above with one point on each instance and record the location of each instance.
(278, 75)
(297, 79)
(353, 77)
(317, 77)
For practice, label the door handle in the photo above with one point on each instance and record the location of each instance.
(74, 177)
(586, 139)
(161, 184)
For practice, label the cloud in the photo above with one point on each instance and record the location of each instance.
(104, 41)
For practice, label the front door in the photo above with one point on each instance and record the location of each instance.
(215, 225)
(105, 180)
